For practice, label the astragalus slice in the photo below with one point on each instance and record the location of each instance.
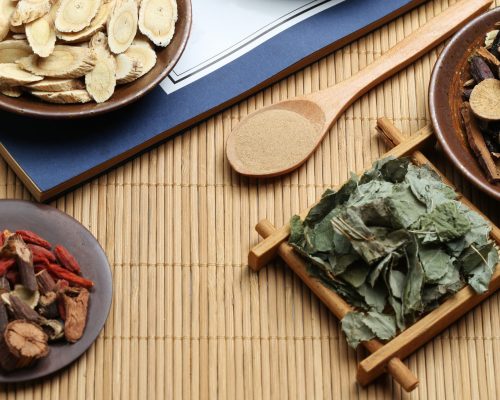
(122, 26)
(64, 62)
(68, 97)
(157, 20)
(75, 15)
(12, 75)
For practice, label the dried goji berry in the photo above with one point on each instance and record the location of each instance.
(62, 273)
(66, 259)
(5, 265)
(61, 309)
(33, 238)
(42, 251)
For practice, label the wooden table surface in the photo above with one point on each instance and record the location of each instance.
(189, 320)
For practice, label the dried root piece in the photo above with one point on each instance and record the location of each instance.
(127, 69)
(76, 302)
(157, 20)
(122, 26)
(76, 15)
(56, 85)
(13, 50)
(15, 247)
(12, 75)
(23, 343)
(13, 91)
(64, 62)
(29, 10)
(485, 100)
(41, 36)
(101, 81)
(7, 8)
(67, 97)
(95, 26)
(144, 55)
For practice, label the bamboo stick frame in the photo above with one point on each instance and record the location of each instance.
(384, 357)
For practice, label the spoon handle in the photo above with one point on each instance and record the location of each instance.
(338, 98)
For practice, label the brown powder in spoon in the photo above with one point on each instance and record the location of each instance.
(274, 139)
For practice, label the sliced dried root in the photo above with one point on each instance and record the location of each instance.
(145, 56)
(41, 36)
(157, 20)
(56, 85)
(13, 91)
(64, 62)
(101, 81)
(29, 10)
(122, 26)
(7, 7)
(485, 100)
(75, 15)
(127, 69)
(19, 36)
(67, 97)
(95, 26)
(13, 50)
(12, 75)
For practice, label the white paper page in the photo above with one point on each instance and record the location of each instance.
(224, 30)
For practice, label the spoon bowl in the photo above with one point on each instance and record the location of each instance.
(278, 139)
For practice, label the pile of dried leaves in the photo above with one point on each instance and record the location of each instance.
(393, 243)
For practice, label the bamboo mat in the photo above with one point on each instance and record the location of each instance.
(189, 319)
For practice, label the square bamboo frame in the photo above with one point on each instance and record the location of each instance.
(384, 357)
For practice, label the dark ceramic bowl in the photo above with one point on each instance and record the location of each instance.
(448, 77)
(124, 94)
(59, 228)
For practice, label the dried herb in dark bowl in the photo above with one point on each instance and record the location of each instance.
(480, 110)
(394, 243)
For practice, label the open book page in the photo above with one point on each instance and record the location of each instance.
(224, 30)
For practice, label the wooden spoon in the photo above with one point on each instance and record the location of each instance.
(256, 146)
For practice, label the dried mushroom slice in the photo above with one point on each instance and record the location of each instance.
(29, 10)
(127, 69)
(56, 85)
(13, 50)
(76, 15)
(122, 26)
(7, 7)
(101, 81)
(97, 24)
(64, 62)
(157, 20)
(67, 97)
(485, 100)
(41, 35)
(144, 55)
(12, 75)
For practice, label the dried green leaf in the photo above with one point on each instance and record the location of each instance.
(435, 262)
(427, 186)
(355, 329)
(382, 325)
(356, 274)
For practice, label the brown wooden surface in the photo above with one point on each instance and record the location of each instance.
(189, 319)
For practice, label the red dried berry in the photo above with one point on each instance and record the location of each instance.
(66, 259)
(33, 238)
(39, 251)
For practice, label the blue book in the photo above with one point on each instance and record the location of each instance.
(269, 41)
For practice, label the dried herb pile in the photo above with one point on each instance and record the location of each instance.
(43, 298)
(393, 243)
(481, 109)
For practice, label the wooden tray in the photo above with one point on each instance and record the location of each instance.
(385, 357)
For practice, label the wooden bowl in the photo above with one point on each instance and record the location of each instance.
(124, 94)
(60, 228)
(448, 77)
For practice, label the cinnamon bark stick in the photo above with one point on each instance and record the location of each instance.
(15, 247)
(478, 145)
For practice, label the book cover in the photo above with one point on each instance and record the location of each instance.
(236, 48)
